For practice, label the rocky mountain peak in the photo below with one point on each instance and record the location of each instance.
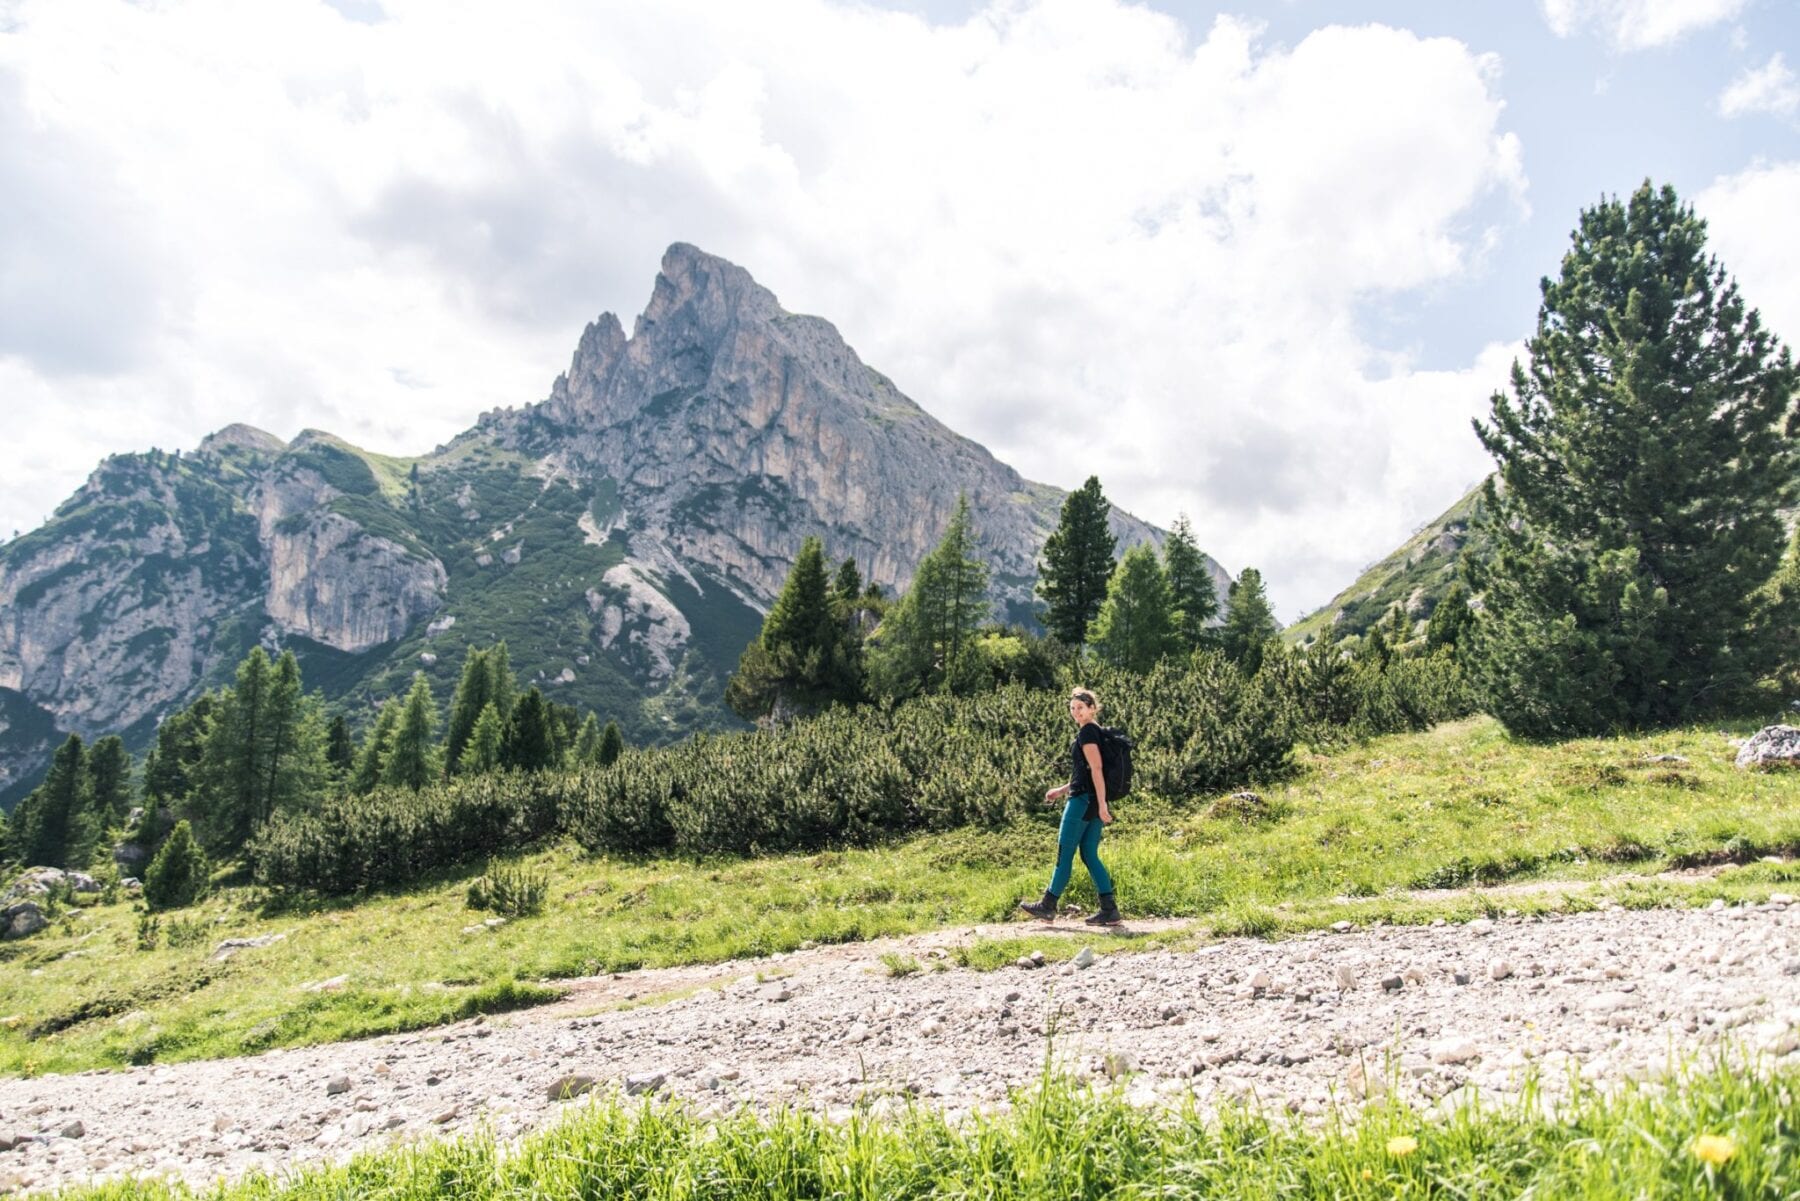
(241, 437)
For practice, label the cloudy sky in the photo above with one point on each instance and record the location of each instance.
(1260, 264)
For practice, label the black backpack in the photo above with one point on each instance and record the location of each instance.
(1115, 762)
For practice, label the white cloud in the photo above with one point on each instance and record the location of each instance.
(1750, 226)
(1770, 88)
(1066, 228)
(1638, 24)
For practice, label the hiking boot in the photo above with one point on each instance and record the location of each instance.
(1044, 910)
(1109, 912)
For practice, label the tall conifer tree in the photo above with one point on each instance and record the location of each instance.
(803, 658)
(926, 641)
(375, 748)
(1643, 453)
(45, 819)
(530, 740)
(1135, 627)
(473, 693)
(1191, 589)
(482, 752)
(411, 758)
(1078, 562)
(612, 744)
(1249, 621)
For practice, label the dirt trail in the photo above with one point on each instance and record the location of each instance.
(1430, 1011)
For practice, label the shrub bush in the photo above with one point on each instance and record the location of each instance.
(852, 776)
(177, 876)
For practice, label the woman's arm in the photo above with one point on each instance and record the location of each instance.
(1092, 754)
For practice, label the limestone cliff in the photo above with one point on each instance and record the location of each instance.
(623, 535)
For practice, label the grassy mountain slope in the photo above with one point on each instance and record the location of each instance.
(1349, 835)
(1416, 575)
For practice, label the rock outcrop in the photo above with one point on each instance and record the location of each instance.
(623, 536)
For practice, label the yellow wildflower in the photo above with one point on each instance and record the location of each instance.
(1402, 1145)
(1368, 1174)
(1715, 1149)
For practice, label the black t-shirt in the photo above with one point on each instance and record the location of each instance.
(1081, 778)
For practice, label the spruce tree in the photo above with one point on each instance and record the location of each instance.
(530, 743)
(587, 744)
(1078, 562)
(294, 764)
(1249, 622)
(340, 751)
(1643, 452)
(410, 760)
(178, 874)
(847, 585)
(802, 660)
(926, 641)
(109, 780)
(481, 753)
(1449, 619)
(172, 770)
(473, 693)
(1135, 627)
(370, 762)
(44, 820)
(232, 767)
(612, 744)
(503, 689)
(1191, 589)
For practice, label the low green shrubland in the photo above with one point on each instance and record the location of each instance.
(1717, 1133)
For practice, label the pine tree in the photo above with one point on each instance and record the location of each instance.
(109, 780)
(1642, 457)
(481, 753)
(373, 758)
(473, 693)
(503, 689)
(1078, 562)
(587, 743)
(1249, 622)
(231, 775)
(172, 770)
(1449, 619)
(1191, 589)
(926, 641)
(530, 743)
(411, 758)
(847, 586)
(294, 764)
(264, 751)
(612, 744)
(340, 752)
(178, 874)
(1135, 627)
(802, 660)
(44, 820)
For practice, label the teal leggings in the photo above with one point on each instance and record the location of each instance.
(1079, 834)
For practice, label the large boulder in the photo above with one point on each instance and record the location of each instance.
(1771, 746)
(82, 882)
(129, 855)
(21, 920)
(36, 882)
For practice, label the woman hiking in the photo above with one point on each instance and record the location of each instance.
(1084, 818)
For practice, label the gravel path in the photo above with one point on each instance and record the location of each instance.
(1434, 1009)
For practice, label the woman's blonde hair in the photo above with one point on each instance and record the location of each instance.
(1085, 697)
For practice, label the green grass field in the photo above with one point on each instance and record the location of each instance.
(1354, 834)
(1720, 1133)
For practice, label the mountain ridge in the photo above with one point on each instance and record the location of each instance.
(624, 534)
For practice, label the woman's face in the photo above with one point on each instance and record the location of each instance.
(1080, 710)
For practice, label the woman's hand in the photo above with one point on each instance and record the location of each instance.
(1053, 795)
(1105, 814)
